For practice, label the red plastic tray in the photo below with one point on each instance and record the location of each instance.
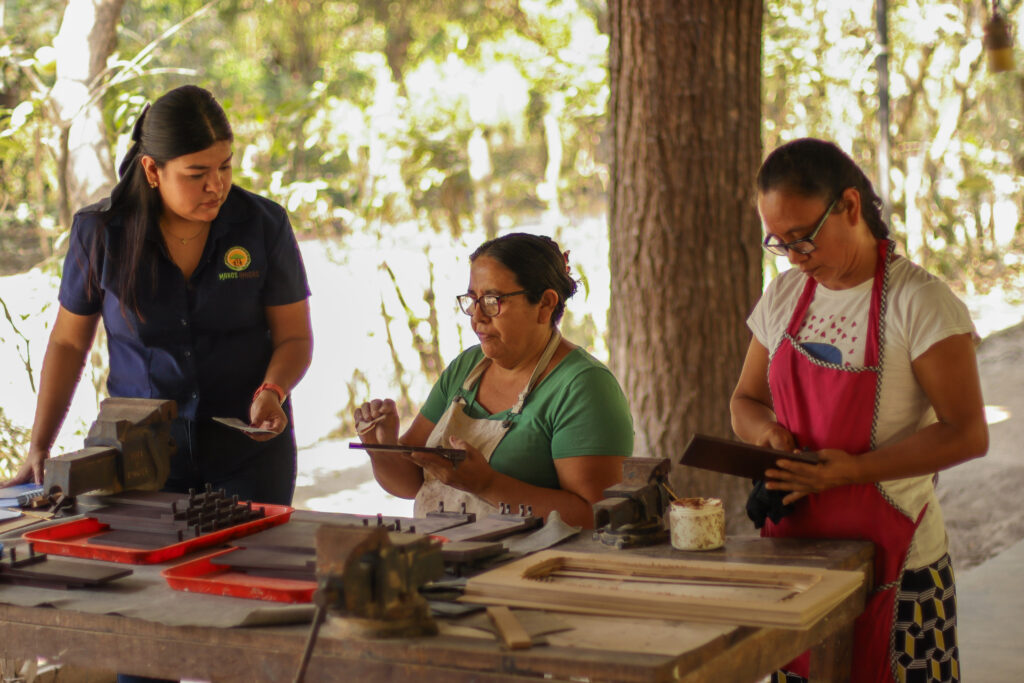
(71, 539)
(202, 576)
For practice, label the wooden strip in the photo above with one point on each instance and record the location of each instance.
(694, 579)
(687, 581)
(511, 631)
(533, 581)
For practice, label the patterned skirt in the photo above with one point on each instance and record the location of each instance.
(924, 638)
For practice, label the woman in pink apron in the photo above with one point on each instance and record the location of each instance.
(544, 423)
(868, 360)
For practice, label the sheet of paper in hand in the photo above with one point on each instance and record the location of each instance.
(734, 457)
(235, 423)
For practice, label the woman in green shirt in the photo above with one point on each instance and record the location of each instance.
(544, 423)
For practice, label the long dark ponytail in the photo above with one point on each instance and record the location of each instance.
(182, 121)
(809, 167)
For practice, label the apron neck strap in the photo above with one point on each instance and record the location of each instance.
(542, 363)
(876, 315)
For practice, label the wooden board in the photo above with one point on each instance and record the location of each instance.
(736, 458)
(630, 586)
(599, 648)
(510, 630)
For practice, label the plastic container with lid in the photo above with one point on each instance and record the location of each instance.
(697, 523)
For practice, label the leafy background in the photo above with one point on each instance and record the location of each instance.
(399, 135)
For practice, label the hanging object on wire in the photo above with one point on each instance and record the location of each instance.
(998, 42)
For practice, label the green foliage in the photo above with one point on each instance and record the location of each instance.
(436, 122)
(13, 446)
(957, 151)
(27, 170)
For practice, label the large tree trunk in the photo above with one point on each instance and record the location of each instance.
(685, 255)
(87, 37)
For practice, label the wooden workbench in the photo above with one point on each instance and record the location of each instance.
(597, 649)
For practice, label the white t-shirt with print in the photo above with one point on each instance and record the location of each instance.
(921, 311)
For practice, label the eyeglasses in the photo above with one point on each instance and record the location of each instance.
(490, 304)
(804, 245)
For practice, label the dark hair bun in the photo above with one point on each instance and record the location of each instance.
(538, 263)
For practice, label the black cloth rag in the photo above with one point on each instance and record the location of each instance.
(762, 503)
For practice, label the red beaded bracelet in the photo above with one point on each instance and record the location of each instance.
(281, 393)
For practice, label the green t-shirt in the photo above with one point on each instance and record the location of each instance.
(578, 409)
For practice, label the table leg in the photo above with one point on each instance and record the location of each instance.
(832, 658)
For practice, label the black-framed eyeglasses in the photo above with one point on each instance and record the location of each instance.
(804, 245)
(490, 304)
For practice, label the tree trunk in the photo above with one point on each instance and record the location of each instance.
(87, 37)
(685, 114)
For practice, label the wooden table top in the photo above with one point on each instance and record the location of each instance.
(597, 648)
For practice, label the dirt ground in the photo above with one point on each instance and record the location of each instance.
(981, 498)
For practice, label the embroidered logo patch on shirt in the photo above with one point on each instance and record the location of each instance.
(237, 258)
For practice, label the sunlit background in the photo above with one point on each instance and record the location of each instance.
(400, 135)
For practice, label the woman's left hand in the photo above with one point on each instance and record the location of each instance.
(473, 474)
(834, 468)
(266, 413)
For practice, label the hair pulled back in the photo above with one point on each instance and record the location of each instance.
(809, 167)
(538, 264)
(183, 121)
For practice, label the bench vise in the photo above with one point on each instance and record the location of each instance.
(129, 446)
(633, 511)
(369, 579)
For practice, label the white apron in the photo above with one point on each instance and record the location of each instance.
(481, 433)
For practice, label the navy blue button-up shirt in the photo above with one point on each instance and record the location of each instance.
(203, 342)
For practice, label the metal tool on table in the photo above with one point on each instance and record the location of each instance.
(129, 446)
(633, 511)
(452, 455)
(154, 519)
(37, 569)
(494, 526)
(368, 584)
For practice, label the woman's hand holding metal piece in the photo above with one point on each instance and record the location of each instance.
(473, 474)
(377, 421)
(774, 435)
(834, 468)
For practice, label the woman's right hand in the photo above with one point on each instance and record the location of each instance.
(377, 421)
(31, 469)
(774, 435)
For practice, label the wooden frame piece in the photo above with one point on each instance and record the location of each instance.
(632, 586)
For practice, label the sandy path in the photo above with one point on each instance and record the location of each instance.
(981, 499)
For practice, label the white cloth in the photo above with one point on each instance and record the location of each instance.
(921, 310)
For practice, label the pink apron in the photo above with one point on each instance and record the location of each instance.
(826, 405)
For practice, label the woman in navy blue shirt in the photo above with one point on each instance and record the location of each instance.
(203, 295)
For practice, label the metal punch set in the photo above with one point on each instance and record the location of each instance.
(172, 516)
